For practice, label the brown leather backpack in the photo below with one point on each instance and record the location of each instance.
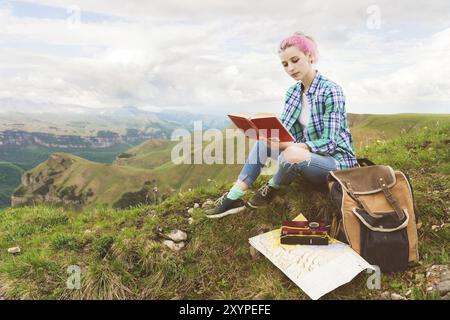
(376, 215)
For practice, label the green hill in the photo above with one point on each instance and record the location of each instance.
(68, 179)
(367, 129)
(28, 157)
(149, 165)
(121, 256)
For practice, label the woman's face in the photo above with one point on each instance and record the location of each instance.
(295, 62)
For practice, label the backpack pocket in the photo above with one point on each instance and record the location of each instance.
(384, 239)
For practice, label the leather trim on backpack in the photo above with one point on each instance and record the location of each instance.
(402, 226)
(365, 180)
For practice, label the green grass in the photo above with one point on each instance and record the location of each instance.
(368, 129)
(121, 257)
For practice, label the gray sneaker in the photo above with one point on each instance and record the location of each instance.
(224, 207)
(262, 197)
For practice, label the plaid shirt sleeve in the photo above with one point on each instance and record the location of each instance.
(334, 108)
(292, 99)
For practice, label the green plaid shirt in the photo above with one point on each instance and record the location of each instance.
(327, 131)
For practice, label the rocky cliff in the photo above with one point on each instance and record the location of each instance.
(38, 185)
(23, 138)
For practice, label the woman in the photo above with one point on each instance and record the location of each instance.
(315, 115)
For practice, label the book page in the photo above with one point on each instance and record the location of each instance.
(245, 124)
(264, 115)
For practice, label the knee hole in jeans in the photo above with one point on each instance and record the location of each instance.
(295, 155)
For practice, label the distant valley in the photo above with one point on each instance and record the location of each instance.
(28, 135)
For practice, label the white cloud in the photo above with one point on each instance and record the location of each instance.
(411, 77)
(210, 55)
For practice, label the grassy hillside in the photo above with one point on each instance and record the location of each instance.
(65, 174)
(149, 154)
(27, 157)
(121, 256)
(367, 129)
(123, 182)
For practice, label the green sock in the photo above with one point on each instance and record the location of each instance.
(235, 193)
(273, 184)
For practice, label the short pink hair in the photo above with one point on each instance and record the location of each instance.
(303, 43)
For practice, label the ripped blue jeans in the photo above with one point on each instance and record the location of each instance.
(314, 170)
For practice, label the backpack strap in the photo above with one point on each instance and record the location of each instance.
(360, 201)
(364, 162)
(391, 198)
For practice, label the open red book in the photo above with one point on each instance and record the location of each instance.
(268, 126)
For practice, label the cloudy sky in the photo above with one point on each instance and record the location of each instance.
(221, 56)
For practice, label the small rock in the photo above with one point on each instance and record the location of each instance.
(445, 276)
(191, 210)
(408, 293)
(435, 227)
(438, 275)
(173, 246)
(207, 203)
(87, 231)
(395, 296)
(446, 297)
(443, 287)
(14, 250)
(196, 205)
(177, 235)
(385, 295)
(437, 269)
(190, 220)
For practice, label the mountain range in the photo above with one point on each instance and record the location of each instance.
(78, 120)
